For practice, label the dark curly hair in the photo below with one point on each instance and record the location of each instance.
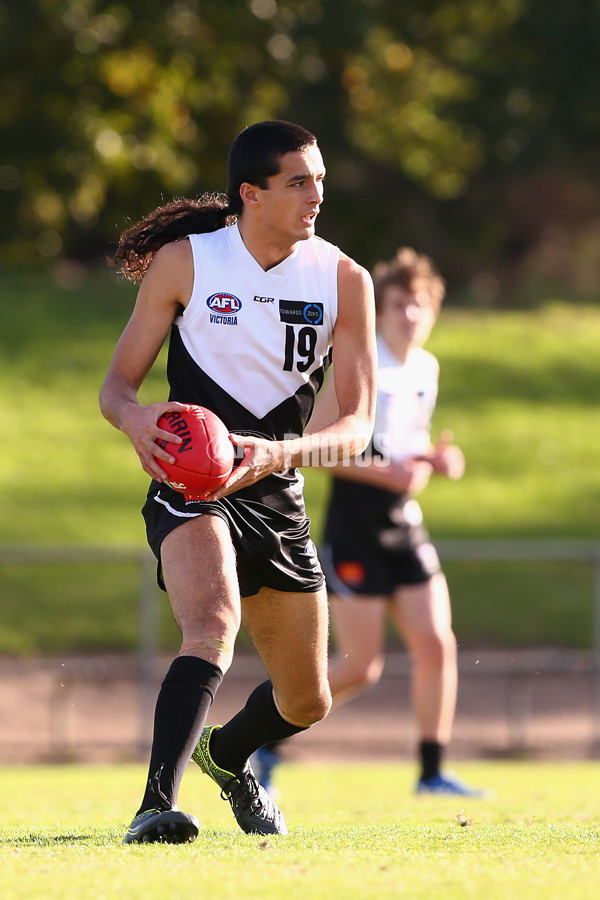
(254, 157)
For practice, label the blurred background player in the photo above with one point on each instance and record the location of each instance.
(377, 555)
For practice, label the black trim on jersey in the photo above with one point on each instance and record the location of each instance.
(190, 384)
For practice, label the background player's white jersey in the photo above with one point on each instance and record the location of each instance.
(252, 345)
(406, 398)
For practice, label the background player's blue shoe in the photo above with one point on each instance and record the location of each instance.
(264, 762)
(448, 783)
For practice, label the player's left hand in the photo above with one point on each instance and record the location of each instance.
(447, 458)
(261, 458)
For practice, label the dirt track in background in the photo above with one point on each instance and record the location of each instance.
(533, 704)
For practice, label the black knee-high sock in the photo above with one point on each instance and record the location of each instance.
(181, 708)
(430, 753)
(257, 724)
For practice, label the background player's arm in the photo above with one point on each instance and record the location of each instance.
(411, 476)
(165, 288)
(446, 457)
(408, 477)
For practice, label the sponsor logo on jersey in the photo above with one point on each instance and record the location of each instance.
(297, 312)
(223, 308)
(258, 299)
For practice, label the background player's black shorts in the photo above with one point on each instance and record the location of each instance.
(271, 536)
(375, 542)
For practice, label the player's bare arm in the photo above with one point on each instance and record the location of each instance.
(166, 287)
(354, 374)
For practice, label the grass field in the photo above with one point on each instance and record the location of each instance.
(356, 832)
(517, 388)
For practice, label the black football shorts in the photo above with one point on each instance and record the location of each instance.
(375, 542)
(271, 536)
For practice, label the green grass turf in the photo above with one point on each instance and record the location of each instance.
(519, 389)
(356, 831)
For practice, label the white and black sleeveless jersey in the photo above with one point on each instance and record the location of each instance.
(406, 398)
(253, 346)
(375, 539)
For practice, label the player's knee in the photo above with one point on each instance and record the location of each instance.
(359, 673)
(372, 672)
(197, 624)
(438, 648)
(309, 709)
(319, 708)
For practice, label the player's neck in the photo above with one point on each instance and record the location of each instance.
(398, 348)
(267, 249)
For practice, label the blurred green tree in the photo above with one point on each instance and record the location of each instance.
(108, 107)
(470, 128)
(477, 120)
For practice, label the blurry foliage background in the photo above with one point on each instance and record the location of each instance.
(469, 128)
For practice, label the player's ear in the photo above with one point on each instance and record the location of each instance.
(249, 194)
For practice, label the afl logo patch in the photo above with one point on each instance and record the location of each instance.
(224, 304)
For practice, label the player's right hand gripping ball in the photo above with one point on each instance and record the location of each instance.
(204, 458)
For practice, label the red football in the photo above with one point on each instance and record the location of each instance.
(204, 458)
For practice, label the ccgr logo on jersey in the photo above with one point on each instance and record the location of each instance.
(298, 313)
(223, 308)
